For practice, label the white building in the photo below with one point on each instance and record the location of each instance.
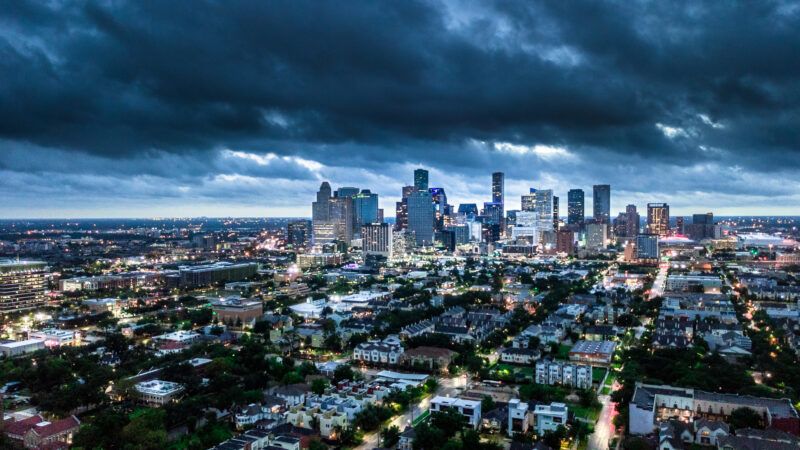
(711, 283)
(549, 417)
(178, 337)
(567, 374)
(596, 236)
(519, 355)
(471, 409)
(158, 392)
(15, 348)
(387, 351)
(520, 418)
(54, 337)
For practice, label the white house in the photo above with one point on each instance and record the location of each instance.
(471, 409)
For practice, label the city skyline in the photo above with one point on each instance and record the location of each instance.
(118, 119)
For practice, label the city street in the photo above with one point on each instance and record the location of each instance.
(448, 387)
(604, 428)
(661, 281)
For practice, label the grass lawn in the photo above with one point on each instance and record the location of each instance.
(525, 370)
(611, 378)
(563, 351)
(421, 418)
(587, 413)
(597, 374)
(606, 390)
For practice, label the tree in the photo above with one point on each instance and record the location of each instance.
(428, 437)
(745, 418)
(635, 443)
(318, 386)
(450, 422)
(146, 431)
(487, 403)
(391, 436)
(317, 445)
(343, 372)
(553, 438)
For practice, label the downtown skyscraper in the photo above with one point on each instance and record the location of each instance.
(421, 179)
(576, 207)
(658, 218)
(421, 217)
(601, 203)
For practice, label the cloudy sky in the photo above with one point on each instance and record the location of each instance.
(228, 108)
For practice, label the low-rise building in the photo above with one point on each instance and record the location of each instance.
(235, 311)
(158, 392)
(385, 352)
(470, 409)
(550, 417)
(520, 417)
(431, 357)
(525, 356)
(592, 352)
(653, 404)
(10, 349)
(563, 373)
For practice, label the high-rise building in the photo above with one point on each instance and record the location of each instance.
(461, 233)
(365, 209)
(493, 212)
(555, 213)
(565, 242)
(647, 247)
(658, 218)
(323, 230)
(441, 208)
(680, 225)
(469, 210)
(498, 196)
(342, 218)
(22, 285)
(403, 243)
(448, 240)
(702, 227)
(576, 207)
(602, 203)
(498, 182)
(401, 209)
(376, 239)
(627, 223)
(596, 236)
(346, 191)
(421, 217)
(298, 233)
(544, 203)
(529, 202)
(421, 179)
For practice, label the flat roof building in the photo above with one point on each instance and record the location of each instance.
(22, 285)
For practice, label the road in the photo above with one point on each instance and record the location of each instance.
(448, 387)
(604, 428)
(661, 281)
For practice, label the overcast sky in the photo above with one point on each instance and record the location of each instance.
(171, 108)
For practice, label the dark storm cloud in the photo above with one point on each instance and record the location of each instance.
(188, 92)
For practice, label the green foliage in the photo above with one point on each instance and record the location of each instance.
(343, 372)
(391, 436)
(318, 386)
(146, 431)
(371, 417)
(745, 418)
(450, 422)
